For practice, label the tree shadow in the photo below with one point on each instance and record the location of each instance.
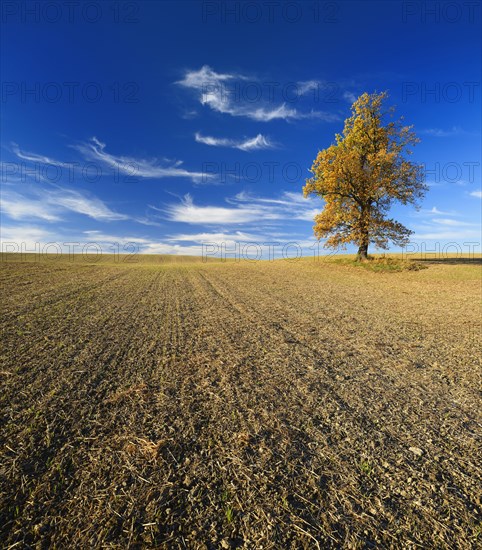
(451, 261)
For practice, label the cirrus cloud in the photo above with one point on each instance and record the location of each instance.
(218, 92)
(248, 144)
(94, 149)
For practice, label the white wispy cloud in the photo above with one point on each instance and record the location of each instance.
(36, 158)
(306, 86)
(186, 211)
(237, 236)
(106, 238)
(175, 249)
(206, 76)
(82, 204)
(477, 194)
(215, 90)
(220, 244)
(453, 223)
(350, 97)
(51, 204)
(25, 238)
(434, 211)
(288, 206)
(436, 225)
(189, 114)
(243, 209)
(95, 150)
(440, 132)
(457, 236)
(248, 144)
(23, 232)
(18, 207)
(140, 245)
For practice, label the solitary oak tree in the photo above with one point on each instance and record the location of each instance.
(362, 175)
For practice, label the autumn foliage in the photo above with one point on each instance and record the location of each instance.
(362, 175)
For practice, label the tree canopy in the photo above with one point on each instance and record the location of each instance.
(362, 175)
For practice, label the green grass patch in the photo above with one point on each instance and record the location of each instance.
(382, 264)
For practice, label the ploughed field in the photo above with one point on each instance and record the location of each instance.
(298, 404)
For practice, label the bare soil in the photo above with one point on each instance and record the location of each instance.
(240, 405)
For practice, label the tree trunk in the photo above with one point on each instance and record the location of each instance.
(362, 254)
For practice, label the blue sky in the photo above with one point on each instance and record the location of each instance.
(173, 124)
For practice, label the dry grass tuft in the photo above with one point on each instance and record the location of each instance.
(138, 391)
